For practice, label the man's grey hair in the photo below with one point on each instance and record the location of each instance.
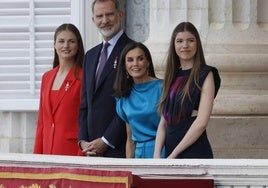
(116, 3)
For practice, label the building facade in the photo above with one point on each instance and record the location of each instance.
(235, 40)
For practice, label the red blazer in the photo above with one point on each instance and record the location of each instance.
(57, 129)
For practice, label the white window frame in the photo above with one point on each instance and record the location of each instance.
(79, 9)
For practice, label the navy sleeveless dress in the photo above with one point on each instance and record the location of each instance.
(179, 117)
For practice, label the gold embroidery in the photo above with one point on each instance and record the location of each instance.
(31, 186)
(34, 186)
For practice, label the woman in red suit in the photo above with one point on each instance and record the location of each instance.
(57, 126)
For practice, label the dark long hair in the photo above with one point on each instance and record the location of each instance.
(173, 63)
(79, 57)
(123, 83)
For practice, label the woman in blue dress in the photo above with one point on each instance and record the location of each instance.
(189, 89)
(137, 92)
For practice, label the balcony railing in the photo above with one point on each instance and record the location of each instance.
(226, 173)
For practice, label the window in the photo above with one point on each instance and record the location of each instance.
(26, 46)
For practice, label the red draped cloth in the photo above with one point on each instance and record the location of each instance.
(27, 177)
(154, 182)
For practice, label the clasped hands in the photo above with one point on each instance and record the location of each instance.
(95, 148)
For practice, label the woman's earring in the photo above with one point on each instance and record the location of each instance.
(127, 75)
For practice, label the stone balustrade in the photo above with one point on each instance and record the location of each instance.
(227, 173)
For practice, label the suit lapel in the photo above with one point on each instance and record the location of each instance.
(112, 60)
(50, 78)
(95, 66)
(65, 87)
(107, 69)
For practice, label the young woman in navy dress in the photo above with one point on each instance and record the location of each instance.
(189, 89)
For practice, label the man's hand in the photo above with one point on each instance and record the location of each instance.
(84, 145)
(98, 146)
(94, 148)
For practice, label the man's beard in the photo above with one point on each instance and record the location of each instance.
(111, 32)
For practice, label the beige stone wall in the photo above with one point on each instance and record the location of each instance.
(17, 131)
(239, 136)
(235, 40)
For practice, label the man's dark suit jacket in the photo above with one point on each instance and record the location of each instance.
(97, 115)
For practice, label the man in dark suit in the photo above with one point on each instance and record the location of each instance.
(101, 132)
